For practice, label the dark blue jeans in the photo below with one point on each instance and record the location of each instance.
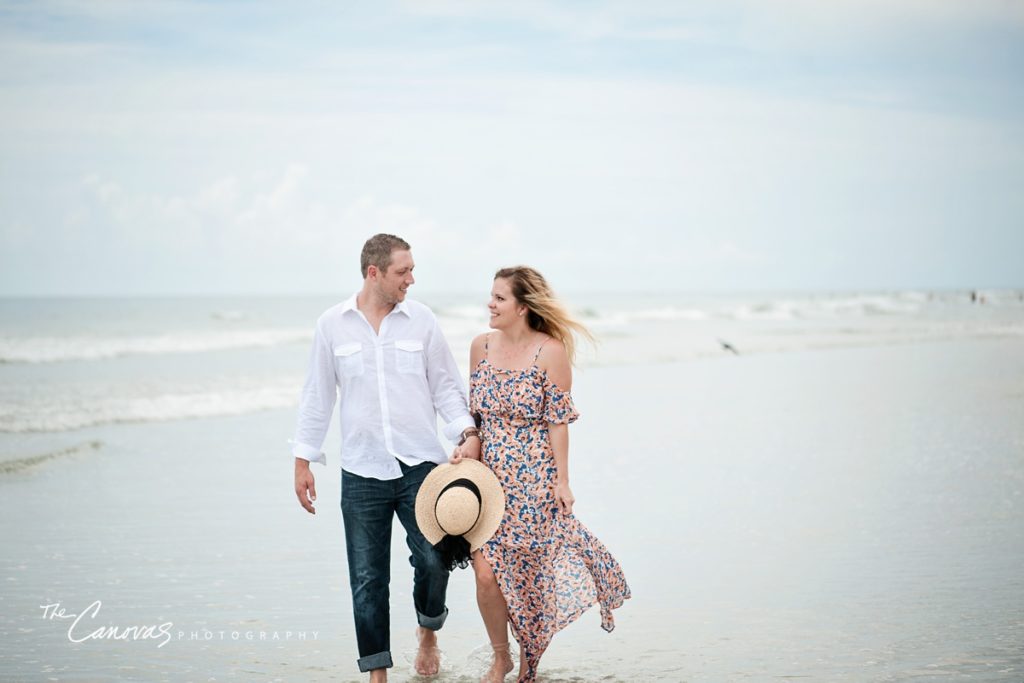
(368, 507)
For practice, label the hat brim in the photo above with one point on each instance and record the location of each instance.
(492, 501)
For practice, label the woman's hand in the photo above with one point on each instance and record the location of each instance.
(564, 497)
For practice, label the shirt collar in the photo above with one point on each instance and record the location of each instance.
(401, 307)
(350, 304)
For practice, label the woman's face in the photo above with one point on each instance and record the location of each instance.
(505, 310)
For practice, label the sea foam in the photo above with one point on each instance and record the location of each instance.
(99, 404)
(39, 349)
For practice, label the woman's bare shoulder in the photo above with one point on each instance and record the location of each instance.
(551, 349)
(554, 360)
(480, 340)
(476, 348)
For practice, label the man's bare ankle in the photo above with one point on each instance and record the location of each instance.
(378, 675)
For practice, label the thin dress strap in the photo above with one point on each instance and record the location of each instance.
(487, 340)
(537, 355)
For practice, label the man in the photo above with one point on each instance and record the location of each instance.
(389, 366)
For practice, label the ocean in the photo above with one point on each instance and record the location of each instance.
(73, 364)
(827, 486)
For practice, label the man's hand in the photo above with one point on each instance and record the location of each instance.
(470, 449)
(457, 455)
(305, 486)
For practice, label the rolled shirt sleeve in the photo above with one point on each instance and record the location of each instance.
(446, 387)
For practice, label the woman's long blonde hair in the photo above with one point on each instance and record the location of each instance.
(545, 312)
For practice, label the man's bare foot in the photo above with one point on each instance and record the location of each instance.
(428, 656)
(501, 665)
(378, 676)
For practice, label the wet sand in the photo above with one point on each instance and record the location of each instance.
(839, 515)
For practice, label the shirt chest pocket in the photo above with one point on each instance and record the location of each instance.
(348, 359)
(409, 356)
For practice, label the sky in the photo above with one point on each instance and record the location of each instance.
(178, 147)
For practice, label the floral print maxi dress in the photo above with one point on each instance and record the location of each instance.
(549, 567)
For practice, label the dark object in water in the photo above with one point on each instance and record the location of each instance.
(728, 347)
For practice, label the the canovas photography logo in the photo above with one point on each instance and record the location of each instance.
(81, 623)
(86, 626)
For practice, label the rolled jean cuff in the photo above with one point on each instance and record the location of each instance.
(381, 660)
(433, 623)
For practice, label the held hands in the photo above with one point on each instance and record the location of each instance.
(305, 486)
(469, 449)
(564, 497)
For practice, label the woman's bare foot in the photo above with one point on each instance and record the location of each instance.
(428, 656)
(501, 665)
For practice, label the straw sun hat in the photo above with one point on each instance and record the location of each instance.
(458, 509)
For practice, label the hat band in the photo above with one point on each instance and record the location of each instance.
(467, 484)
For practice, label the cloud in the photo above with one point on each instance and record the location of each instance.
(256, 235)
(512, 132)
(729, 252)
(749, 23)
(266, 210)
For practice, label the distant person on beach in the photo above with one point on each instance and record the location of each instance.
(543, 568)
(385, 360)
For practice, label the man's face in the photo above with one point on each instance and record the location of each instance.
(391, 285)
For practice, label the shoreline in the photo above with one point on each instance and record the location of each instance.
(827, 514)
(18, 444)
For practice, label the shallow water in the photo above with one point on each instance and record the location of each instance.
(70, 364)
(852, 514)
(843, 515)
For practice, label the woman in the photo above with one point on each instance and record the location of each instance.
(543, 568)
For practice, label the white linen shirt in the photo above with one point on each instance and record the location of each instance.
(391, 387)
